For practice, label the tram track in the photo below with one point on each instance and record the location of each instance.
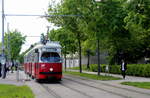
(69, 81)
(97, 88)
(78, 91)
(53, 93)
(106, 84)
(75, 78)
(126, 89)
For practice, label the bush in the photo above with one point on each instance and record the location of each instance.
(94, 67)
(147, 71)
(132, 69)
(115, 69)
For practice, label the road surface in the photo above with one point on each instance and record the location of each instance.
(77, 87)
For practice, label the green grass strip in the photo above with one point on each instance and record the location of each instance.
(12, 91)
(145, 85)
(92, 76)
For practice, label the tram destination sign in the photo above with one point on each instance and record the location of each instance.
(51, 49)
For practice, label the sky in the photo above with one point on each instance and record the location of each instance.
(29, 26)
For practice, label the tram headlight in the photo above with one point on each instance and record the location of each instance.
(51, 69)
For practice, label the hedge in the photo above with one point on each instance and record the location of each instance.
(132, 69)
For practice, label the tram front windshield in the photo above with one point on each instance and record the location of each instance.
(51, 57)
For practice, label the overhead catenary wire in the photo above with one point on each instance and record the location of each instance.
(40, 15)
(33, 36)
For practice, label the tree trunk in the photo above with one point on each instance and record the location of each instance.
(88, 61)
(98, 56)
(80, 58)
(73, 58)
(65, 58)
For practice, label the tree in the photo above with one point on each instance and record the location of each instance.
(138, 23)
(120, 27)
(16, 40)
(66, 39)
(72, 23)
(104, 22)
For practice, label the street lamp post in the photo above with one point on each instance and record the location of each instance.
(3, 60)
(3, 27)
(98, 48)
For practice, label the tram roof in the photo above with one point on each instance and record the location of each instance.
(49, 44)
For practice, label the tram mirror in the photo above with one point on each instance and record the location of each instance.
(36, 51)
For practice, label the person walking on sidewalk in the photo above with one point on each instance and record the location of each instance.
(123, 68)
(12, 66)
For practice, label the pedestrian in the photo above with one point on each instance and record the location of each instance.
(123, 68)
(12, 66)
(16, 65)
(8, 65)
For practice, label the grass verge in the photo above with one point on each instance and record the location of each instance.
(12, 91)
(92, 76)
(145, 85)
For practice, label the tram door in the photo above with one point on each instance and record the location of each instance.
(36, 70)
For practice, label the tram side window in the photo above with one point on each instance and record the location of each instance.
(50, 57)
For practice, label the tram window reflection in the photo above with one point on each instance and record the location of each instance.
(50, 57)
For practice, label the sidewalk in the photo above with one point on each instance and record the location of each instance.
(37, 89)
(128, 78)
(11, 78)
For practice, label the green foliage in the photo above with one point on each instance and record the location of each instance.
(89, 45)
(16, 40)
(12, 91)
(70, 23)
(132, 69)
(138, 24)
(77, 68)
(93, 67)
(122, 26)
(66, 39)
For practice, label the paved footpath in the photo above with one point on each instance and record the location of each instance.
(12, 78)
(128, 78)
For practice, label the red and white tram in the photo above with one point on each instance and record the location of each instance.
(44, 61)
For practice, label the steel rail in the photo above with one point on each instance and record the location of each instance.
(97, 88)
(109, 85)
(78, 91)
(54, 94)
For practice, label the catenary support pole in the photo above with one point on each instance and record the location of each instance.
(3, 61)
